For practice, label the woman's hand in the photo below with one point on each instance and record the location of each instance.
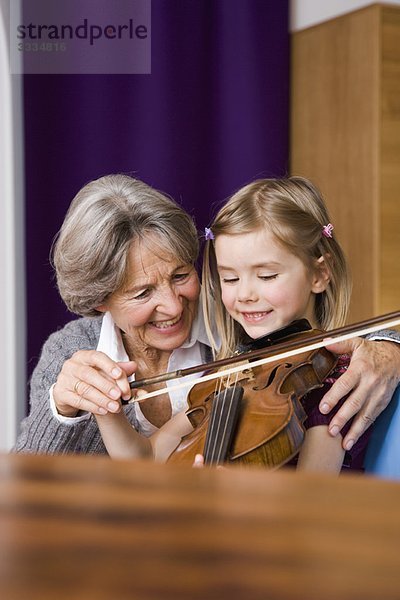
(370, 380)
(90, 381)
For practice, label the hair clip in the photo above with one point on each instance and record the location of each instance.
(208, 233)
(327, 230)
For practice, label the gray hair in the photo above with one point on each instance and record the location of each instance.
(90, 251)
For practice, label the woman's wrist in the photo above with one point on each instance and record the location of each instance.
(65, 410)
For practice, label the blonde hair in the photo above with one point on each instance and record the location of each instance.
(293, 210)
(90, 253)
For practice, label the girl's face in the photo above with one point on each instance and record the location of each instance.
(158, 303)
(264, 286)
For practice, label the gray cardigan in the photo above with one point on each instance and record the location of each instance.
(41, 431)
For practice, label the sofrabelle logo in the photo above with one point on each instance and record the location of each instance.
(81, 36)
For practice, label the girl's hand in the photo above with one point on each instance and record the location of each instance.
(198, 462)
(370, 380)
(90, 381)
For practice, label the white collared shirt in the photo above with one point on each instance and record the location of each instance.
(188, 355)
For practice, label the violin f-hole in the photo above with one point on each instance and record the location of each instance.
(272, 375)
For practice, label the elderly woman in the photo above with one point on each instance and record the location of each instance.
(125, 260)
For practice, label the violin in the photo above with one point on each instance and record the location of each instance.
(255, 417)
(254, 414)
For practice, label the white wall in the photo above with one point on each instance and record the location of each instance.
(305, 13)
(12, 295)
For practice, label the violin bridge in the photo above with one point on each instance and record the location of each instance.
(245, 374)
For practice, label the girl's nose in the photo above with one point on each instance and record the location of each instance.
(247, 293)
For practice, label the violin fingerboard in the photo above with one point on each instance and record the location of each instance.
(223, 419)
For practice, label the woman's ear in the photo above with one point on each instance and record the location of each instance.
(321, 276)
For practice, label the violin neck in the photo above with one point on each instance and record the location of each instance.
(223, 419)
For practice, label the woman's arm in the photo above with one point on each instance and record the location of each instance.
(42, 430)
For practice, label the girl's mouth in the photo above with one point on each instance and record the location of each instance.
(255, 316)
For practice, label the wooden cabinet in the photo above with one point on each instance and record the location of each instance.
(345, 137)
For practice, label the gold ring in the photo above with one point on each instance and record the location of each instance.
(76, 386)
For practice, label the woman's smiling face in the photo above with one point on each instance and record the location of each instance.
(158, 302)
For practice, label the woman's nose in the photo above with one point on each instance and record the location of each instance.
(169, 301)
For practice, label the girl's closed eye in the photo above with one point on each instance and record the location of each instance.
(229, 279)
(268, 277)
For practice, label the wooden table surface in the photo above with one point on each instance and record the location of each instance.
(91, 528)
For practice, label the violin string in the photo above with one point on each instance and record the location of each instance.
(216, 453)
(217, 391)
(219, 426)
(224, 417)
(227, 419)
(218, 386)
(213, 427)
(212, 434)
(263, 361)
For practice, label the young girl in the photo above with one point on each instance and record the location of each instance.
(271, 257)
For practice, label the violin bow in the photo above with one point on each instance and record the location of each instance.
(277, 352)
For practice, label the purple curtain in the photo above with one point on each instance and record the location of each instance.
(212, 116)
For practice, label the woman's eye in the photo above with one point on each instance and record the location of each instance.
(180, 276)
(230, 279)
(142, 295)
